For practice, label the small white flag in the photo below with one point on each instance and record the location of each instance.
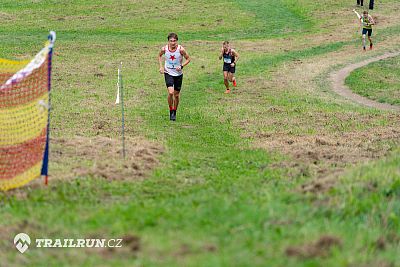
(117, 100)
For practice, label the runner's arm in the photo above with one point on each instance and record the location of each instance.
(160, 60)
(371, 19)
(236, 54)
(221, 54)
(186, 56)
(358, 15)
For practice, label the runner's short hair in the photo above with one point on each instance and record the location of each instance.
(226, 42)
(172, 35)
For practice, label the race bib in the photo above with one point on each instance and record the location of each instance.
(227, 60)
(170, 66)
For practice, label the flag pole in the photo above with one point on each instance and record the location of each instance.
(121, 90)
(45, 164)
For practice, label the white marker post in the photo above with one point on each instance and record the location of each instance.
(117, 100)
(120, 96)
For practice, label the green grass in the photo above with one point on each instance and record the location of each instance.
(384, 87)
(214, 199)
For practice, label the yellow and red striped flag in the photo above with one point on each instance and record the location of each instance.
(24, 118)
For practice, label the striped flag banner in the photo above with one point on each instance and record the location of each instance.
(24, 118)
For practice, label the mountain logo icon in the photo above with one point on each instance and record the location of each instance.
(22, 242)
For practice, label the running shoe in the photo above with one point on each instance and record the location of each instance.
(173, 115)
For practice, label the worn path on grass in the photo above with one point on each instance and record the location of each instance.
(338, 84)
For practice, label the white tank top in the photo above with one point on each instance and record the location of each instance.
(173, 60)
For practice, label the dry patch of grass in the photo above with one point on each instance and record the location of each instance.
(102, 157)
(320, 248)
(7, 16)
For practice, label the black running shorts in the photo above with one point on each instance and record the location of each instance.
(227, 67)
(364, 31)
(173, 81)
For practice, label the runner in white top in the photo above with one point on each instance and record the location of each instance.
(173, 60)
(172, 70)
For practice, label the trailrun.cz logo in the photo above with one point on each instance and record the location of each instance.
(22, 242)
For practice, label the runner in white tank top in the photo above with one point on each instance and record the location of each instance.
(172, 70)
(172, 61)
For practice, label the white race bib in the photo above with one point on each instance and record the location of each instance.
(227, 60)
(170, 66)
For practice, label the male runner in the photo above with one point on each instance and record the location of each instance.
(172, 70)
(230, 57)
(367, 21)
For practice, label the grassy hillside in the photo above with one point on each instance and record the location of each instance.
(282, 172)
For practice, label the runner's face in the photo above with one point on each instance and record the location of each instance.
(172, 43)
(226, 47)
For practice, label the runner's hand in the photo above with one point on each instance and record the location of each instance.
(178, 68)
(232, 64)
(161, 70)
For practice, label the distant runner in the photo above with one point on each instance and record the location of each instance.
(230, 57)
(172, 70)
(366, 21)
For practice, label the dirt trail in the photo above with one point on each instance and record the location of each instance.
(338, 78)
(320, 143)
